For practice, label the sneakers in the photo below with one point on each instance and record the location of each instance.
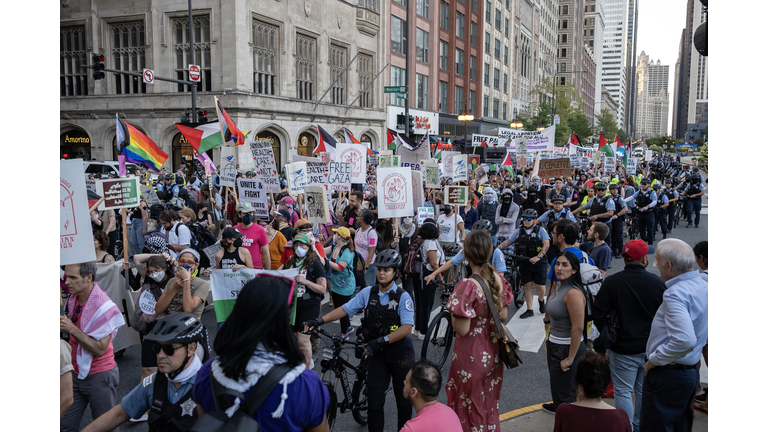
(697, 226)
(527, 314)
(549, 408)
(541, 306)
(420, 336)
(346, 334)
(665, 236)
(140, 419)
(701, 397)
(689, 225)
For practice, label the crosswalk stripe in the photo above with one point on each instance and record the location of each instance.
(529, 332)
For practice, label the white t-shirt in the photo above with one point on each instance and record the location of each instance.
(364, 240)
(184, 237)
(448, 228)
(427, 246)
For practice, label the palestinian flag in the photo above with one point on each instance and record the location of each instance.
(392, 139)
(326, 143)
(228, 127)
(604, 147)
(574, 140)
(508, 164)
(620, 145)
(483, 144)
(203, 137)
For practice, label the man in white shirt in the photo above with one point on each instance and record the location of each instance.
(178, 235)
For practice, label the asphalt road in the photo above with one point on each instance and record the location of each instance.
(522, 387)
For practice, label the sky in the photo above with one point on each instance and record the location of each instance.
(659, 25)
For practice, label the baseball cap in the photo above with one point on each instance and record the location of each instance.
(342, 231)
(302, 238)
(231, 233)
(245, 207)
(636, 249)
(285, 214)
(287, 201)
(302, 223)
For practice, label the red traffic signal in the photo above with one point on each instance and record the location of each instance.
(98, 66)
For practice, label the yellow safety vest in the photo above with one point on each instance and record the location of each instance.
(583, 202)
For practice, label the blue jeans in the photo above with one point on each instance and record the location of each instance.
(370, 276)
(136, 236)
(627, 376)
(694, 205)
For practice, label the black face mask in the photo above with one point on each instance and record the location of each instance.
(506, 200)
(239, 242)
(447, 210)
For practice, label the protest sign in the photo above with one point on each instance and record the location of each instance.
(521, 153)
(648, 155)
(354, 154)
(584, 162)
(226, 286)
(211, 251)
(412, 166)
(536, 140)
(149, 195)
(395, 160)
(610, 164)
(372, 160)
(473, 161)
(264, 165)
(554, 168)
(254, 191)
(631, 166)
(424, 214)
(447, 161)
(317, 170)
(596, 157)
(317, 204)
(325, 157)
(418, 190)
(228, 167)
(339, 176)
(432, 175)
(297, 177)
(385, 161)
(456, 195)
(490, 140)
(75, 233)
(459, 163)
(90, 185)
(394, 191)
(574, 160)
(119, 193)
(480, 175)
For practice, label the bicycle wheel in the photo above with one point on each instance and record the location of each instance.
(360, 396)
(331, 414)
(439, 339)
(518, 289)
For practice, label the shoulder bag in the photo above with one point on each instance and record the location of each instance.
(509, 350)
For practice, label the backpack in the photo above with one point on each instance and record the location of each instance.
(242, 420)
(413, 259)
(592, 279)
(358, 267)
(200, 238)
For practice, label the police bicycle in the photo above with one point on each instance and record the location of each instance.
(356, 398)
(584, 224)
(632, 230)
(682, 209)
(439, 338)
(456, 273)
(513, 277)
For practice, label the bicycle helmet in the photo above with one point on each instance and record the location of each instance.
(601, 186)
(656, 186)
(181, 328)
(453, 249)
(645, 180)
(557, 197)
(482, 225)
(388, 258)
(530, 213)
(613, 186)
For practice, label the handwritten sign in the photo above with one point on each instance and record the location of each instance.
(456, 195)
(317, 204)
(339, 176)
(425, 213)
(631, 166)
(119, 193)
(317, 170)
(297, 177)
(76, 235)
(264, 165)
(554, 168)
(610, 164)
(254, 191)
(90, 185)
(228, 167)
(147, 302)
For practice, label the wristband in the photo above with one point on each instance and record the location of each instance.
(184, 280)
(322, 321)
(545, 321)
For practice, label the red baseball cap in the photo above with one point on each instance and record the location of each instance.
(636, 249)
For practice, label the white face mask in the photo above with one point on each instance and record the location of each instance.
(301, 252)
(157, 276)
(407, 220)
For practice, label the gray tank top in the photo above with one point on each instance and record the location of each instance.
(560, 320)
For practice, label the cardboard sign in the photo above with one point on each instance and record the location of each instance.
(455, 195)
(459, 170)
(75, 233)
(211, 251)
(297, 177)
(385, 161)
(355, 154)
(149, 195)
(119, 193)
(254, 191)
(317, 170)
(610, 164)
(575, 160)
(339, 176)
(418, 190)
(554, 168)
(480, 175)
(631, 166)
(425, 213)
(264, 165)
(432, 175)
(228, 167)
(490, 140)
(584, 162)
(394, 191)
(317, 204)
(226, 286)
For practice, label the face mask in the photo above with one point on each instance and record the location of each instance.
(507, 200)
(157, 276)
(488, 198)
(238, 242)
(407, 220)
(447, 210)
(247, 219)
(301, 252)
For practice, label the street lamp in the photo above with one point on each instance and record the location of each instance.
(516, 123)
(465, 118)
(540, 128)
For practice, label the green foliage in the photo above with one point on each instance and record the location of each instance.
(605, 122)
(705, 150)
(654, 148)
(568, 105)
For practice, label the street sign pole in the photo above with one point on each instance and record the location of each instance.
(192, 60)
(408, 132)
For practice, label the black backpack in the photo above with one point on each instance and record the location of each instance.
(200, 238)
(242, 420)
(358, 267)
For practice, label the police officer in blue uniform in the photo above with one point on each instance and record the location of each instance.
(497, 260)
(166, 394)
(659, 216)
(386, 324)
(672, 197)
(549, 218)
(694, 191)
(166, 190)
(645, 199)
(616, 235)
(601, 208)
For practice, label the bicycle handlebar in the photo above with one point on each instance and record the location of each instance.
(336, 338)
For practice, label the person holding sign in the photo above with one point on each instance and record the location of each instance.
(254, 238)
(231, 256)
(449, 222)
(342, 279)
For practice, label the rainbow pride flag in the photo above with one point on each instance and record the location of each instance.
(137, 147)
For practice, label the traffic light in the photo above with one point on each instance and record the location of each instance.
(98, 66)
(202, 116)
(411, 126)
(185, 119)
(400, 121)
(700, 36)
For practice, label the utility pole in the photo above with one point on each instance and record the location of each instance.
(192, 60)
(408, 132)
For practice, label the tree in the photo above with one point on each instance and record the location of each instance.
(568, 105)
(623, 136)
(655, 148)
(605, 122)
(579, 123)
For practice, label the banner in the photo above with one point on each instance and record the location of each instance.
(75, 233)
(610, 164)
(425, 213)
(149, 195)
(339, 178)
(432, 175)
(490, 140)
(394, 191)
(317, 170)
(456, 195)
(412, 166)
(226, 286)
(537, 140)
(254, 191)
(356, 155)
(264, 165)
(554, 168)
(418, 190)
(631, 166)
(459, 169)
(521, 153)
(297, 177)
(317, 204)
(119, 193)
(228, 166)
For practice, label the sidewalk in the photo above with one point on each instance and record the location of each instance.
(539, 421)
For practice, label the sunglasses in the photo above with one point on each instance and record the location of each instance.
(189, 263)
(167, 349)
(527, 219)
(76, 315)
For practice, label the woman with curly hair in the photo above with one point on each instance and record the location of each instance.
(101, 244)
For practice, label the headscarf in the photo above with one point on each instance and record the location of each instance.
(157, 245)
(504, 205)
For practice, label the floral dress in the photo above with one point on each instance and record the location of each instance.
(474, 382)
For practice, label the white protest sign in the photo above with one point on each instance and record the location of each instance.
(432, 175)
(490, 140)
(459, 163)
(584, 162)
(297, 177)
(631, 166)
(264, 165)
(226, 286)
(227, 167)
(412, 166)
(254, 191)
(90, 185)
(317, 170)
(575, 160)
(394, 192)
(339, 176)
(317, 204)
(355, 155)
(418, 191)
(210, 252)
(648, 155)
(75, 233)
(147, 302)
(536, 140)
(610, 164)
(149, 195)
(448, 163)
(424, 214)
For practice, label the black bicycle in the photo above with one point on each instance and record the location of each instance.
(439, 338)
(632, 230)
(512, 276)
(335, 361)
(682, 209)
(584, 224)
